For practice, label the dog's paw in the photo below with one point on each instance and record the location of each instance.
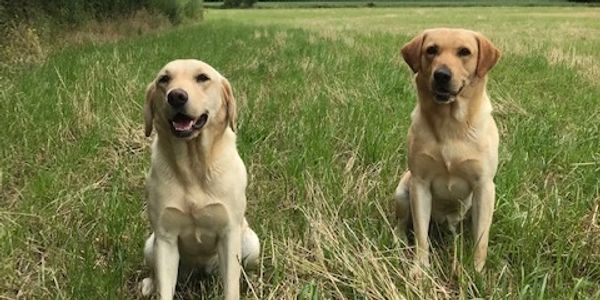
(416, 273)
(147, 286)
(479, 264)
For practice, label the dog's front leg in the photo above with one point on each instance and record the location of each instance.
(166, 265)
(420, 204)
(229, 261)
(482, 211)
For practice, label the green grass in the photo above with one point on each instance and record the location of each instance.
(324, 102)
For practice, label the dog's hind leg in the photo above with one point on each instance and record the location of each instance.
(250, 249)
(402, 203)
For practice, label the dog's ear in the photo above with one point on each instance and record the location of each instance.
(488, 55)
(411, 52)
(149, 108)
(230, 105)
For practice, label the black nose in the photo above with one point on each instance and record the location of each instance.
(177, 98)
(442, 75)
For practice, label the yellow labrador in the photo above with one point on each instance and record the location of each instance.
(452, 140)
(197, 181)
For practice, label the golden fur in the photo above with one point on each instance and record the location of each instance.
(452, 140)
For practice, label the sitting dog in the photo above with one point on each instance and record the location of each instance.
(196, 187)
(452, 140)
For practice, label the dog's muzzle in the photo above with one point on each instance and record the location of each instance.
(441, 85)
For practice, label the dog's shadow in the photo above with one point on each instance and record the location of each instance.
(440, 236)
(198, 284)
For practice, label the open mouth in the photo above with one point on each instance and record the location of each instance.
(184, 125)
(443, 95)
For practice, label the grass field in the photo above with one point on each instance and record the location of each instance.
(395, 3)
(324, 102)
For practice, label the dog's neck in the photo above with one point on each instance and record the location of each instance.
(460, 118)
(197, 159)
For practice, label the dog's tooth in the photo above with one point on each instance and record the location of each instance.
(183, 126)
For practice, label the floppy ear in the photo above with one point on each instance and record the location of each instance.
(488, 55)
(149, 109)
(411, 52)
(229, 104)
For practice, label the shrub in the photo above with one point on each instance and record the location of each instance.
(75, 12)
(24, 24)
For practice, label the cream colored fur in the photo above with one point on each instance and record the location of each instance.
(196, 185)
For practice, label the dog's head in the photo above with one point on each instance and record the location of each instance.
(447, 61)
(186, 97)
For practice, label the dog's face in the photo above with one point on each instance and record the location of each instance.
(187, 96)
(447, 61)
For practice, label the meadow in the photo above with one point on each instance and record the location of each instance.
(324, 101)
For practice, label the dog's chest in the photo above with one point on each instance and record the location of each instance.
(197, 220)
(205, 225)
(455, 157)
(452, 170)
(188, 207)
(452, 163)
(209, 214)
(202, 208)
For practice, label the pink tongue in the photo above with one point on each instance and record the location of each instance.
(183, 125)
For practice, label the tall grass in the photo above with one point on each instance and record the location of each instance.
(323, 118)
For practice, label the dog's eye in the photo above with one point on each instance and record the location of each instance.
(431, 50)
(202, 78)
(164, 79)
(464, 52)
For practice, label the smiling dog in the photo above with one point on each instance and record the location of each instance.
(452, 140)
(196, 187)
